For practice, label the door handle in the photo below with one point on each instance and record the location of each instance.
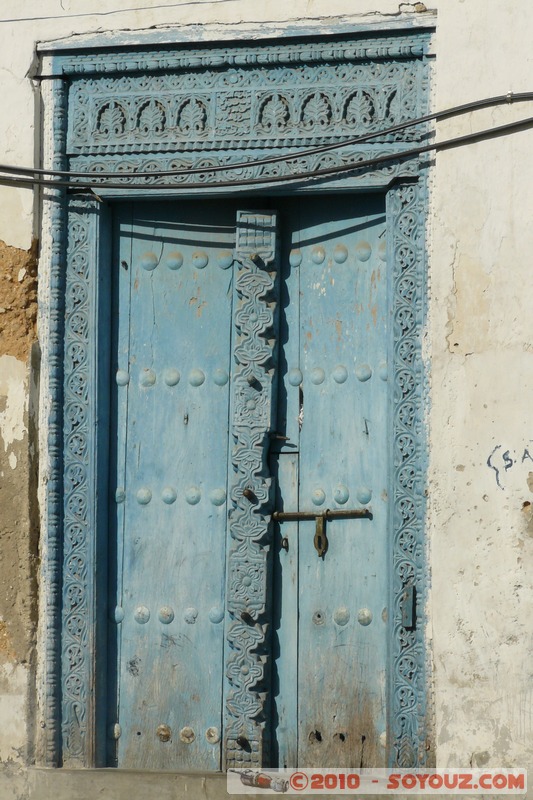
(321, 540)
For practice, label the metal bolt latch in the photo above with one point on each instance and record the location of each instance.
(321, 540)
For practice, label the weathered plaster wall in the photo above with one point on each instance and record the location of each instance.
(18, 518)
(482, 384)
(479, 346)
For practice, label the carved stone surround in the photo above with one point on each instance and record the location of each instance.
(181, 107)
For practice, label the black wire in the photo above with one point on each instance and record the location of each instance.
(115, 11)
(437, 116)
(320, 173)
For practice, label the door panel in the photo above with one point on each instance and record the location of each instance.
(172, 390)
(175, 311)
(336, 420)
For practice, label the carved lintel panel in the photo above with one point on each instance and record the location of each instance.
(243, 166)
(253, 395)
(300, 104)
(358, 47)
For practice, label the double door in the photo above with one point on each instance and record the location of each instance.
(249, 537)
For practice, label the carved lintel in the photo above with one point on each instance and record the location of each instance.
(401, 45)
(243, 166)
(303, 105)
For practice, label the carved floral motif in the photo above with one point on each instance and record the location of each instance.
(360, 111)
(76, 487)
(204, 108)
(408, 718)
(316, 111)
(248, 572)
(111, 120)
(151, 118)
(274, 114)
(192, 117)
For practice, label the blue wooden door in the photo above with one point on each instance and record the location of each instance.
(330, 668)
(175, 321)
(173, 318)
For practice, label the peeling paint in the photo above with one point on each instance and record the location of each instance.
(18, 299)
(13, 400)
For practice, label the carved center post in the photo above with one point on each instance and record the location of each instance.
(253, 411)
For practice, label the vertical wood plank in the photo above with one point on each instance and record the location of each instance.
(176, 379)
(343, 635)
(284, 457)
(284, 617)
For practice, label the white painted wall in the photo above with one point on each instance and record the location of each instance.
(481, 334)
(480, 337)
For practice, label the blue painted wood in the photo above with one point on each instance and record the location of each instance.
(284, 711)
(85, 455)
(254, 380)
(172, 387)
(284, 461)
(193, 33)
(150, 146)
(408, 716)
(178, 301)
(53, 509)
(335, 349)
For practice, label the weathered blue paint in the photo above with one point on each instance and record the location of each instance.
(54, 495)
(85, 456)
(177, 303)
(253, 414)
(409, 726)
(173, 361)
(291, 96)
(152, 145)
(337, 322)
(200, 33)
(377, 45)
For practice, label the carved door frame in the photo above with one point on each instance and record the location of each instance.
(178, 107)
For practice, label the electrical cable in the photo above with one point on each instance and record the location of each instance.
(509, 98)
(81, 186)
(114, 11)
